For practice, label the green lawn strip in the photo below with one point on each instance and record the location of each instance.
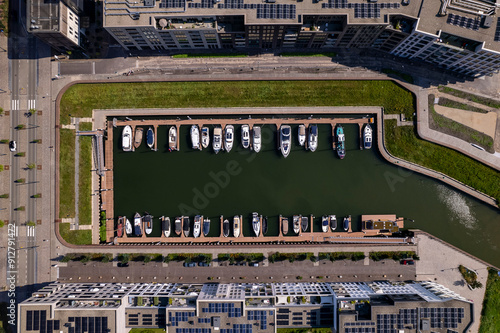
(443, 101)
(304, 330)
(77, 237)
(67, 174)
(85, 181)
(79, 100)
(211, 55)
(308, 54)
(146, 330)
(470, 97)
(456, 129)
(402, 142)
(407, 77)
(490, 314)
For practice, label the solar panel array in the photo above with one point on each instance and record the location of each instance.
(88, 325)
(360, 330)
(203, 4)
(177, 317)
(238, 328)
(497, 32)
(387, 322)
(204, 320)
(443, 317)
(259, 315)
(228, 308)
(361, 10)
(193, 330)
(37, 321)
(276, 11)
(463, 22)
(172, 3)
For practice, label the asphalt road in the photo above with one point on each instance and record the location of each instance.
(344, 270)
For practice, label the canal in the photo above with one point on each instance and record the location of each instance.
(190, 182)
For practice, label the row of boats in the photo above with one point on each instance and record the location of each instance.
(182, 224)
(224, 139)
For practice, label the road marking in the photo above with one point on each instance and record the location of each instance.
(15, 104)
(17, 231)
(31, 231)
(31, 104)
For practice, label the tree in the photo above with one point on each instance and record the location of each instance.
(31, 166)
(147, 258)
(124, 258)
(31, 224)
(1, 111)
(2, 223)
(32, 111)
(20, 126)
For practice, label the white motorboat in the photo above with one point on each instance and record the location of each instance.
(256, 224)
(195, 137)
(128, 227)
(296, 224)
(285, 139)
(324, 223)
(197, 226)
(245, 136)
(333, 222)
(148, 223)
(367, 136)
(127, 138)
(236, 226)
(205, 136)
(217, 141)
(165, 225)
(313, 138)
(172, 138)
(257, 144)
(302, 134)
(228, 138)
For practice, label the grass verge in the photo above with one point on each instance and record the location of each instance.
(470, 97)
(79, 100)
(443, 101)
(333, 256)
(406, 77)
(85, 181)
(147, 330)
(77, 237)
(403, 142)
(211, 55)
(490, 314)
(448, 126)
(67, 174)
(308, 54)
(4, 17)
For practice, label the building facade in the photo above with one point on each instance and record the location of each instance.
(245, 307)
(462, 36)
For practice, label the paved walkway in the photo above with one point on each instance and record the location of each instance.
(483, 122)
(398, 120)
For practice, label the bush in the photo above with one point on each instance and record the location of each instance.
(20, 154)
(20, 181)
(124, 258)
(2, 223)
(20, 127)
(68, 257)
(31, 166)
(20, 208)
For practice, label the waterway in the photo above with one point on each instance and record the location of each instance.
(190, 182)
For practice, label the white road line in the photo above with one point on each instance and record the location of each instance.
(17, 231)
(15, 104)
(31, 104)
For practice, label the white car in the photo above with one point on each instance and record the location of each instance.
(12, 146)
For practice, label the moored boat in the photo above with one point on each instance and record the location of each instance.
(324, 223)
(333, 222)
(127, 138)
(346, 223)
(186, 226)
(119, 228)
(296, 223)
(197, 226)
(195, 137)
(172, 138)
(128, 227)
(150, 137)
(228, 138)
(206, 226)
(304, 223)
(302, 134)
(217, 140)
(264, 225)
(367, 136)
(256, 142)
(245, 136)
(178, 225)
(236, 226)
(148, 223)
(340, 142)
(285, 137)
(256, 224)
(165, 225)
(205, 137)
(225, 228)
(284, 225)
(313, 138)
(138, 137)
(137, 224)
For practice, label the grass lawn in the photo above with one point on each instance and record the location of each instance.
(77, 237)
(67, 174)
(80, 99)
(457, 105)
(147, 330)
(490, 315)
(470, 97)
(85, 181)
(403, 142)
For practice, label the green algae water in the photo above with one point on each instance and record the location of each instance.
(190, 182)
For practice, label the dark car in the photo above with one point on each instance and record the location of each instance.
(407, 262)
(204, 264)
(12, 146)
(189, 264)
(121, 264)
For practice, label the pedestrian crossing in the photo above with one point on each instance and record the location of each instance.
(30, 232)
(14, 105)
(31, 104)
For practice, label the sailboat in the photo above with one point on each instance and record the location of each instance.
(128, 227)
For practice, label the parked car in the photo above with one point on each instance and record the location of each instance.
(204, 264)
(12, 146)
(189, 264)
(255, 264)
(407, 262)
(121, 264)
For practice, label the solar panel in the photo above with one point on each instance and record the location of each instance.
(172, 3)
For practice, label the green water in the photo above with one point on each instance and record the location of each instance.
(192, 182)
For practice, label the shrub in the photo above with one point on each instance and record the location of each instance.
(147, 259)
(36, 196)
(124, 258)
(4, 141)
(21, 208)
(20, 127)
(299, 277)
(2, 223)
(31, 166)
(20, 154)
(20, 181)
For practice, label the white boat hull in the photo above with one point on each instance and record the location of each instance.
(229, 138)
(205, 137)
(256, 139)
(195, 137)
(172, 138)
(127, 138)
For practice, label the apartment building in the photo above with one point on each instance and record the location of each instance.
(380, 306)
